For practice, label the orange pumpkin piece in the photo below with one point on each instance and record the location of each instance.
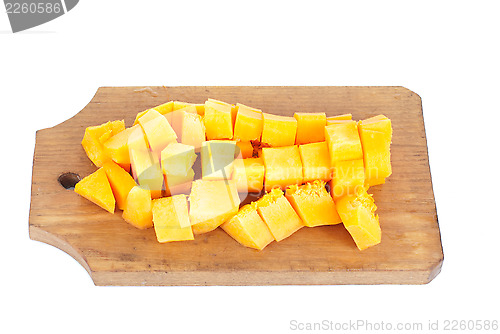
(121, 182)
(159, 132)
(348, 178)
(138, 208)
(177, 159)
(176, 163)
(315, 161)
(248, 228)
(189, 127)
(218, 120)
(117, 147)
(117, 127)
(217, 158)
(313, 204)
(234, 109)
(137, 139)
(177, 116)
(310, 127)
(96, 188)
(283, 166)
(278, 130)
(212, 203)
(249, 174)
(333, 119)
(139, 115)
(178, 184)
(147, 171)
(163, 109)
(94, 138)
(200, 108)
(145, 165)
(343, 141)
(171, 219)
(244, 149)
(248, 123)
(376, 135)
(357, 214)
(278, 214)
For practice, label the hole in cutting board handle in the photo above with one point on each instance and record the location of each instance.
(68, 180)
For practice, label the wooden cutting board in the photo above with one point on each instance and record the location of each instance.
(115, 253)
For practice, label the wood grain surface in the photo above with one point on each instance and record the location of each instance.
(115, 253)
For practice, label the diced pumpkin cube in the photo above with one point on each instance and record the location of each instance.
(248, 228)
(357, 214)
(249, 175)
(117, 147)
(343, 141)
(145, 165)
(313, 204)
(248, 123)
(137, 142)
(177, 116)
(177, 159)
(193, 131)
(278, 130)
(117, 127)
(234, 109)
(171, 219)
(121, 182)
(212, 203)
(164, 109)
(139, 115)
(283, 166)
(245, 149)
(189, 127)
(315, 161)
(333, 119)
(105, 136)
(348, 178)
(310, 127)
(217, 158)
(147, 170)
(376, 135)
(137, 139)
(218, 120)
(96, 188)
(179, 184)
(200, 108)
(94, 138)
(278, 214)
(138, 207)
(159, 132)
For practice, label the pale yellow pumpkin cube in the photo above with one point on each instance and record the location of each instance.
(218, 120)
(171, 219)
(212, 203)
(138, 206)
(217, 158)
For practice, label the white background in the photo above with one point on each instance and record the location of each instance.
(447, 52)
